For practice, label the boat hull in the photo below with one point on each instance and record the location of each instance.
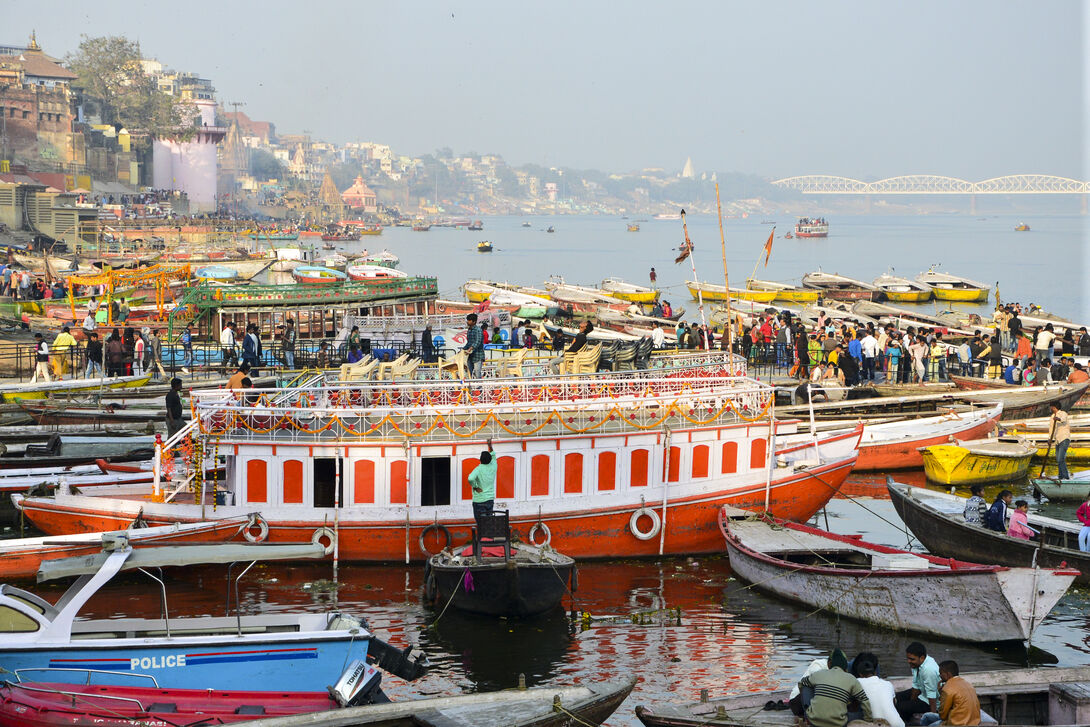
(43, 391)
(951, 464)
(798, 295)
(649, 297)
(848, 294)
(913, 296)
(905, 453)
(961, 295)
(597, 533)
(1062, 490)
(520, 591)
(720, 293)
(952, 537)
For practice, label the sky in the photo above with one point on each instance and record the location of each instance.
(971, 89)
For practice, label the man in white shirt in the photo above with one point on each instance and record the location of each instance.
(228, 346)
(658, 336)
(89, 322)
(880, 693)
(1043, 345)
(869, 344)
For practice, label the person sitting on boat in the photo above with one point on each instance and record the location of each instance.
(1029, 373)
(483, 482)
(1019, 525)
(959, 703)
(880, 693)
(833, 691)
(976, 507)
(1059, 371)
(1012, 374)
(1078, 374)
(667, 310)
(923, 695)
(354, 354)
(996, 517)
(528, 339)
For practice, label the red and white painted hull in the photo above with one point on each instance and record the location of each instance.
(811, 234)
(896, 445)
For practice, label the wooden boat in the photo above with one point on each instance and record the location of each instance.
(21, 558)
(711, 291)
(273, 235)
(903, 318)
(342, 237)
(791, 293)
(1076, 489)
(978, 461)
(365, 273)
(384, 258)
(317, 275)
(523, 582)
(1023, 227)
(585, 299)
(888, 587)
(478, 291)
(218, 273)
(484, 246)
(839, 287)
(629, 291)
(633, 228)
(1011, 696)
(896, 445)
(421, 227)
(938, 522)
(50, 413)
(334, 261)
(68, 387)
(945, 286)
(902, 290)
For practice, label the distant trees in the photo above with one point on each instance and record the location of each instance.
(109, 69)
(264, 165)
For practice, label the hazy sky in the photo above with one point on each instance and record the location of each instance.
(863, 89)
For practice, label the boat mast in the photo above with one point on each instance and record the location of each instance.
(696, 281)
(728, 329)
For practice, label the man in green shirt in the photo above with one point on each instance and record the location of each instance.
(483, 481)
(833, 690)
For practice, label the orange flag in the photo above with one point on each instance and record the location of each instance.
(768, 246)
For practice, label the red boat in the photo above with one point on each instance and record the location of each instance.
(343, 237)
(812, 227)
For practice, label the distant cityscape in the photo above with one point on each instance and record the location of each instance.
(221, 160)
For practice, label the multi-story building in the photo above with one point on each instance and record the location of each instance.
(35, 106)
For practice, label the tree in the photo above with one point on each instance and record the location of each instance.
(263, 165)
(109, 69)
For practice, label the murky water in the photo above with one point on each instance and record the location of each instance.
(679, 624)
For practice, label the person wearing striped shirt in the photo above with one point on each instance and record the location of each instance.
(834, 689)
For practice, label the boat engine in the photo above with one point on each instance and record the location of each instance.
(359, 685)
(400, 663)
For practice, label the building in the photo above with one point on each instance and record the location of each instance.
(360, 197)
(253, 133)
(190, 165)
(36, 106)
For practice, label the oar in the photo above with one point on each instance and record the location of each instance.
(1051, 433)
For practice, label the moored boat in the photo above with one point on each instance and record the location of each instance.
(365, 272)
(977, 461)
(902, 290)
(711, 291)
(63, 387)
(896, 445)
(949, 287)
(1075, 489)
(217, 273)
(884, 586)
(475, 226)
(629, 291)
(317, 275)
(784, 291)
(938, 522)
(839, 287)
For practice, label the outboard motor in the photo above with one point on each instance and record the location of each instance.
(400, 663)
(359, 685)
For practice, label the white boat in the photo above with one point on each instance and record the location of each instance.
(280, 650)
(336, 261)
(568, 293)
(839, 287)
(365, 272)
(891, 588)
(511, 297)
(385, 258)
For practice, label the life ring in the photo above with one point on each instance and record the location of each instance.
(262, 529)
(656, 523)
(324, 533)
(540, 524)
(441, 529)
(441, 307)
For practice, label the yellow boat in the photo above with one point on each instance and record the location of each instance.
(633, 228)
(902, 290)
(784, 291)
(978, 461)
(629, 291)
(46, 389)
(953, 288)
(709, 291)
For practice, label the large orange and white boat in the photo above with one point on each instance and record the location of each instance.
(812, 227)
(607, 466)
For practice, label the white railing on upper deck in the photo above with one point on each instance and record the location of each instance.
(452, 410)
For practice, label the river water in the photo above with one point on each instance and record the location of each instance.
(681, 624)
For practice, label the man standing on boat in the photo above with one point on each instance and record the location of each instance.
(474, 346)
(174, 408)
(1060, 433)
(483, 481)
(654, 279)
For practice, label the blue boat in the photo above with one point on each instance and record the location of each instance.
(278, 651)
(215, 272)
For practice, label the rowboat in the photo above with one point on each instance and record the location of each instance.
(484, 246)
(218, 273)
(335, 261)
(711, 291)
(280, 651)
(1075, 489)
(273, 235)
(903, 318)
(384, 258)
(317, 275)
(629, 291)
(953, 287)
(896, 445)
(938, 522)
(784, 291)
(478, 291)
(839, 287)
(887, 587)
(902, 290)
(21, 558)
(66, 387)
(585, 299)
(364, 272)
(1011, 696)
(248, 268)
(978, 461)
(1022, 227)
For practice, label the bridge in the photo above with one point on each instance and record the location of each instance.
(935, 184)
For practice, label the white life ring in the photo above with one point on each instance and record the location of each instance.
(540, 525)
(656, 523)
(324, 533)
(262, 532)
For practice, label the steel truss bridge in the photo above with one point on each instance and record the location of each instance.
(934, 184)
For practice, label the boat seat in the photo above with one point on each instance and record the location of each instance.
(163, 707)
(406, 370)
(495, 528)
(250, 709)
(359, 371)
(625, 358)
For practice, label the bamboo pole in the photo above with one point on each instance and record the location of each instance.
(696, 282)
(728, 329)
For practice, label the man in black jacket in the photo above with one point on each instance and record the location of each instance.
(174, 408)
(94, 357)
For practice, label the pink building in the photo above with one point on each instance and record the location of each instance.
(190, 166)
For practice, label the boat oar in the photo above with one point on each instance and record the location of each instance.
(1051, 433)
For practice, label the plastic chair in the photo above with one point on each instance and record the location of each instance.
(456, 364)
(512, 365)
(386, 368)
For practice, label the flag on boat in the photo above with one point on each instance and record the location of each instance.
(768, 246)
(686, 248)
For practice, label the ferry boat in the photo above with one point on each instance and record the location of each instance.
(601, 466)
(812, 227)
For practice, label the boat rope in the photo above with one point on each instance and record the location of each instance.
(910, 539)
(449, 601)
(557, 707)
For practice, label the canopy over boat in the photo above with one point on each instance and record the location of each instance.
(216, 272)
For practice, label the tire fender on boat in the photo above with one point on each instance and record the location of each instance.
(327, 533)
(540, 525)
(262, 529)
(656, 523)
(442, 529)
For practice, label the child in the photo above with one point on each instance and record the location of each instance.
(1083, 514)
(1019, 527)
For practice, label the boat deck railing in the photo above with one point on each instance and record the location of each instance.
(452, 410)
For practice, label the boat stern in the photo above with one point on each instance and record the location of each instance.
(1031, 594)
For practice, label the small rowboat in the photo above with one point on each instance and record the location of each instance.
(218, 273)
(1022, 228)
(839, 287)
(366, 273)
(784, 291)
(902, 290)
(711, 291)
(629, 291)
(978, 461)
(896, 445)
(888, 587)
(952, 287)
(484, 246)
(384, 258)
(1076, 489)
(317, 275)
(15, 392)
(633, 228)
